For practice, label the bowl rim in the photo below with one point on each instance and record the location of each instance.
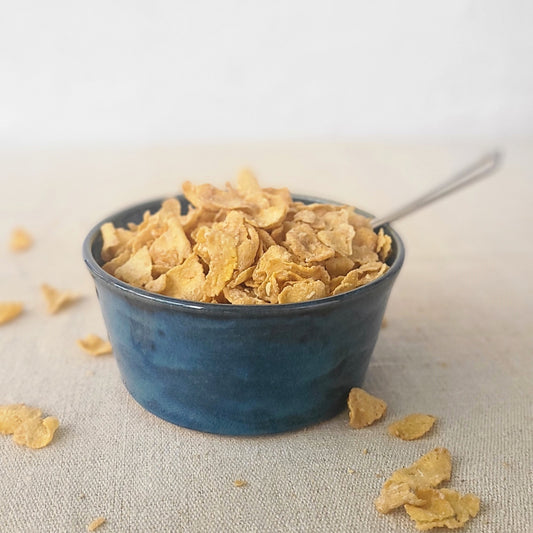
(233, 309)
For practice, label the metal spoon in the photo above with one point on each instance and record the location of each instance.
(480, 169)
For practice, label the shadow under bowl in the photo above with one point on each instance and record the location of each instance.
(239, 369)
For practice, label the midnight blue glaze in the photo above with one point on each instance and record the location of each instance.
(235, 369)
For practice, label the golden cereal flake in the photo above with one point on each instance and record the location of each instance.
(210, 198)
(186, 281)
(412, 426)
(95, 345)
(240, 483)
(361, 276)
(111, 266)
(302, 291)
(137, 270)
(241, 297)
(11, 416)
(96, 523)
(249, 189)
(158, 285)
(171, 248)
(20, 240)
(240, 278)
(304, 243)
(383, 245)
(442, 508)
(221, 246)
(9, 311)
(428, 472)
(338, 238)
(361, 255)
(27, 426)
(339, 266)
(114, 240)
(57, 299)
(36, 432)
(269, 207)
(247, 240)
(364, 409)
(365, 236)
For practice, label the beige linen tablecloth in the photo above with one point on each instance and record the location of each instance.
(458, 345)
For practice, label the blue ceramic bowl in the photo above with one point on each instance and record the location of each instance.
(239, 369)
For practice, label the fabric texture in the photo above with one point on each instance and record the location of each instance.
(458, 345)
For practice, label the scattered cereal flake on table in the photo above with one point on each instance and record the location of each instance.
(57, 299)
(412, 427)
(364, 409)
(9, 311)
(428, 472)
(240, 483)
(27, 426)
(442, 508)
(94, 345)
(36, 432)
(351, 471)
(96, 523)
(20, 240)
(11, 416)
(365, 451)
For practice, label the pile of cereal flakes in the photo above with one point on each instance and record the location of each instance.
(246, 245)
(415, 487)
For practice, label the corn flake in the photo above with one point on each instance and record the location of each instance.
(94, 345)
(241, 296)
(27, 426)
(428, 472)
(412, 426)
(361, 276)
(364, 409)
(383, 245)
(20, 240)
(442, 508)
(302, 291)
(57, 299)
(96, 523)
(137, 270)
(306, 245)
(11, 416)
(9, 311)
(186, 281)
(212, 199)
(114, 240)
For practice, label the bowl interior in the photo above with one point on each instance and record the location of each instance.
(93, 245)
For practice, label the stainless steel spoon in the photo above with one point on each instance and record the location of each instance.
(483, 167)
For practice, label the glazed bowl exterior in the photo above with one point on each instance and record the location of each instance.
(239, 369)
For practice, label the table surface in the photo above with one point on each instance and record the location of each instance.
(458, 345)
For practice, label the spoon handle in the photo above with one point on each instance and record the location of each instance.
(480, 169)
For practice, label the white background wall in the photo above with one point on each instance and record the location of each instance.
(164, 71)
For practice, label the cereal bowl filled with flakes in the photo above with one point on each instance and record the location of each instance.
(244, 310)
